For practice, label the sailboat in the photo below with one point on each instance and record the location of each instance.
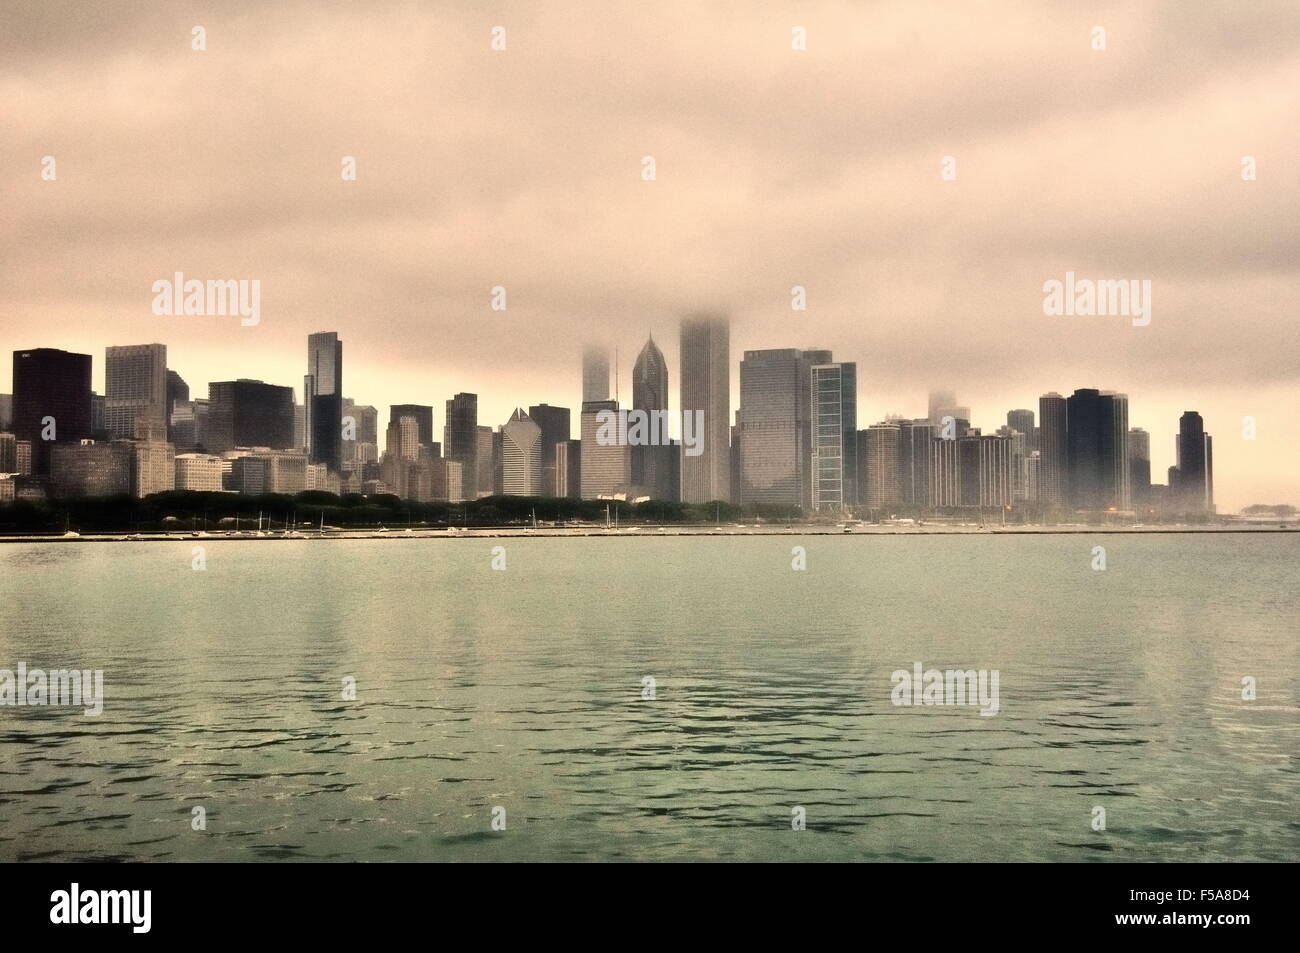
(68, 531)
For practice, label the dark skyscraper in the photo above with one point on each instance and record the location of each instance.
(460, 441)
(323, 399)
(650, 394)
(55, 384)
(1053, 431)
(247, 413)
(776, 425)
(705, 384)
(554, 422)
(1195, 490)
(1097, 450)
(423, 417)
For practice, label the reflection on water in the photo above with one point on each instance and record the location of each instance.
(522, 688)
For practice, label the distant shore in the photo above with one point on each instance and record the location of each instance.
(498, 532)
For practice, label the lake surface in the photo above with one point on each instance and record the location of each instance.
(522, 689)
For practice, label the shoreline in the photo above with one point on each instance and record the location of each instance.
(652, 532)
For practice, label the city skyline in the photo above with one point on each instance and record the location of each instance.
(1155, 466)
(925, 283)
(795, 441)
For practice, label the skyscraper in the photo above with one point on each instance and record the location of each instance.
(554, 423)
(775, 426)
(606, 466)
(705, 385)
(423, 416)
(568, 469)
(650, 395)
(521, 456)
(323, 399)
(914, 460)
(1097, 449)
(595, 373)
(1139, 466)
(834, 419)
(51, 396)
(883, 479)
(460, 441)
(1195, 490)
(1053, 445)
(484, 480)
(135, 387)
(248, 413)
(1023, 421)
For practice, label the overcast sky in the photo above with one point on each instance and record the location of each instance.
(774, 168)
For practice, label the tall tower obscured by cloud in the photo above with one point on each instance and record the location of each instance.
(705, 384)
(323, 399)
(595, 373)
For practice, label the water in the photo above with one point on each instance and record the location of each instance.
(522, 689)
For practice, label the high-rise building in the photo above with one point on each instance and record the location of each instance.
(554, 423)
(1023, 421)
(135, 387)
(323, 399)
(568, 469)
(705, 385)
(361, 439)
(403, 438)
(51, 401)
(6, 411)
(521, 456)
(460, 440)
(650, 462)
(8, 453)
(177, 392)
(484, 481)
(834, 418)
(249, 413)
(1097, 450)
(595, 373)
(423, 416)
(776, 426)
(1053, 446)
(914, 460)
(189, 420)
(153, 459)
(606, 468)
(1194, 492)
(1139, 466)
(883, 480)
(1018, 454)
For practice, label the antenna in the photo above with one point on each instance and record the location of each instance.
(615, 375)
